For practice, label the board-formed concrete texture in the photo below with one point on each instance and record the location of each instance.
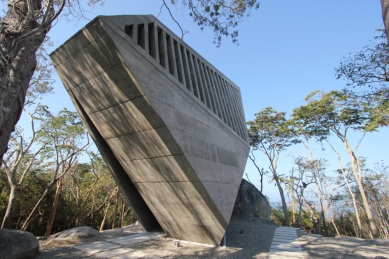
(169, 125)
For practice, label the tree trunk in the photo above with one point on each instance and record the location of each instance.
(284, 206)
(32, 213)
(10, 207)
(17, 64)
(116, 210)
(54, 209)
(385, 16)
(358, 177)
(122, 213)
(104, 218)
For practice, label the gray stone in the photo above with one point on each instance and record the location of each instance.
(250, 201)
(169, 125)
(15, 244)
(74, 233)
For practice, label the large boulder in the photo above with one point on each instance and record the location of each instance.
(74, 234)
(250, 202)
(16, 244)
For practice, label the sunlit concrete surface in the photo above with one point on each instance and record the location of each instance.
(170, 126)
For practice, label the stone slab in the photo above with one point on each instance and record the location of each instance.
(137, 238)
(275, 242)
(96, 247)
(286, 236)
(286, 248)
(272, 256)
(286, 253)
(114, 252)
(131, 255)
(284, 239)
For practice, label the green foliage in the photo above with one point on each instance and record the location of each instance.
(220, 15)
(333, 112)
(277, 216)
(369, 68)
(269, 131)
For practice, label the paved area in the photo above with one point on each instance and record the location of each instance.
(116, 248)
(285, 244)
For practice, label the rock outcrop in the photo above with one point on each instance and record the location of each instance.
(74, 234)
(16, 244)
(250, 203)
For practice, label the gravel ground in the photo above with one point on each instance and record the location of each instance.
(245, 239)
(343, 247)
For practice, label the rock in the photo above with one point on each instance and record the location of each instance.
(16, 244)
(74, 234)
(250, 201)
(268, 222)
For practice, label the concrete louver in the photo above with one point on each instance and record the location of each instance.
(169, 125)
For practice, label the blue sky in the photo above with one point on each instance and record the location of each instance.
(286, 50)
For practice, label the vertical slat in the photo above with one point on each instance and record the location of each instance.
(232, 106)
(165, 49)
(224, 101)
(156, 49)
(129, 30)
(199, 83)
(214, 92)
(228, 101)
(205, 85)
(239, 98)
(146, 37)
(237, 111)
(210, 92)
(141, 35)
(135, 33)
(151, 40)
(188, 79)
(171, 56)
(179, 65)
(193, 74)
(221, 97)
(162, 48)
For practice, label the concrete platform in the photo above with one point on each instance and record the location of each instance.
(114, 252)
(285, 244)
(113, 248)
(137, 238)
(97, 247)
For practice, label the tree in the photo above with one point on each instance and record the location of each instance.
(385, 15)
(369, 68)
(261, 171)
(19, 155)
(65, 137)
(20, 149)
(270, 134)
(297, 186)
(338, 113)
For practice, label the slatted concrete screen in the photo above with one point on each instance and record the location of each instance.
(169, 125)
(213, 89)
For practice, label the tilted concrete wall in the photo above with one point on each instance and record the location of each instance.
(169, 125)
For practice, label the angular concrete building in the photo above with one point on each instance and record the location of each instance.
(169, 125)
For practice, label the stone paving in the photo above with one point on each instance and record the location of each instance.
(285, 244)
(115, 248)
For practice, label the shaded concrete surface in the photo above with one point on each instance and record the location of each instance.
(343, 247)
(245, 239)
(115, 248)
(169, 125)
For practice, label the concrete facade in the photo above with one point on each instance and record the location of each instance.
(169, 125)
